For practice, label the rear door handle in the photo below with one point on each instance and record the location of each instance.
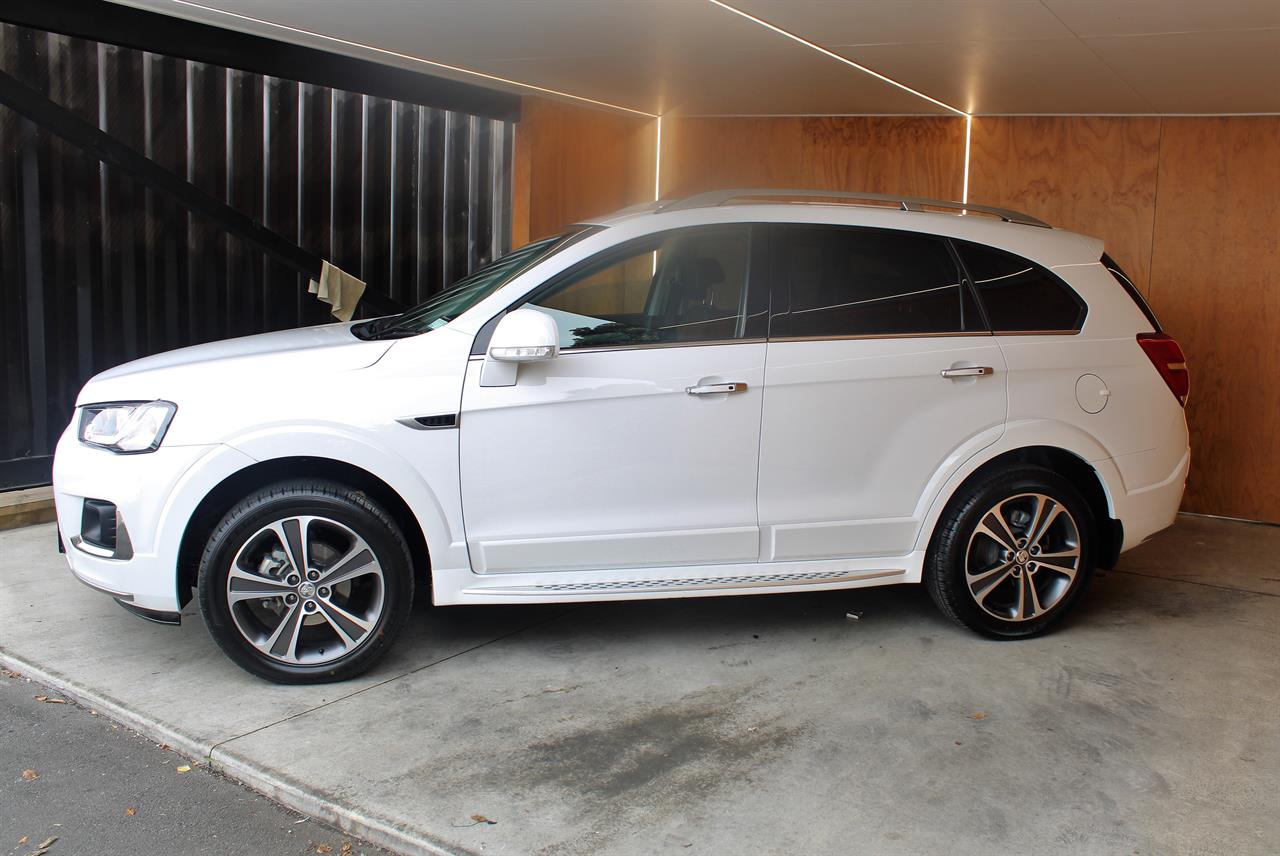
(967, 371)
(715, 388)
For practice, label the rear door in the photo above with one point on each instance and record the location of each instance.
(880, 369)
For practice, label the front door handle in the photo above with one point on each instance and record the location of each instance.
(967, 371)
(715, 388)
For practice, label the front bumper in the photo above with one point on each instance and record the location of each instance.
(155, 494)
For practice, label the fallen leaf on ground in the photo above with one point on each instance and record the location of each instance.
(130, 812)
(185, 768)
(346, 847)
(30, 775)
(24, 839)
(978, 715)
(323, 848)
(9, 673)
(480, 818)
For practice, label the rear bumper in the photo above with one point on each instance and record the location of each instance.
(1147, 510)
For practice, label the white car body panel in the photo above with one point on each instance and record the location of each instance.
(601, 459)
(849, 484)
(596, 477)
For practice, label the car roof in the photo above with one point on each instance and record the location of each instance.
(1000, 227)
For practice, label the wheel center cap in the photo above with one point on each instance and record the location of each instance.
(307, 590)
(1022, 557)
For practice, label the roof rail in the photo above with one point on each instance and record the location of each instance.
(906, 203)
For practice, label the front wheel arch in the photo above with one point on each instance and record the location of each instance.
(242, 483)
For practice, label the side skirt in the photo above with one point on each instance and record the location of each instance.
(464, 587)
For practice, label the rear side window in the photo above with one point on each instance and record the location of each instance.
(845, 281)
(1020, 295)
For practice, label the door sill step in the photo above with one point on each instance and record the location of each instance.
(705, 583)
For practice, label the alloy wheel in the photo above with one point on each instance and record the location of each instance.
(305, 590)
(1022, 557)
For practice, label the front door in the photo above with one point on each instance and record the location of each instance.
(880, 370)
(638, 445)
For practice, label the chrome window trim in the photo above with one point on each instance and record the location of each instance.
(662, 345)
(874, 336)
(564, 352)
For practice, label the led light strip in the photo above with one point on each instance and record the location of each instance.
(968, 136)
(411, 58)
(837, 57)
(657, 165)
(968, 117)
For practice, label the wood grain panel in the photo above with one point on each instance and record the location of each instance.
(1090, 174)
(1215, 284)
(575, 163)
(915, 156)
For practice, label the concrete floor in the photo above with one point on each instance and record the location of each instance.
(1147, 724)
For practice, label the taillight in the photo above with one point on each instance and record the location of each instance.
(1166, 355)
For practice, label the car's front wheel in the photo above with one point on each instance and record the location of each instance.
(1012, 553)
(305, 581)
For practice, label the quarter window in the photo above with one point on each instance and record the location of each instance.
(681, 287)
(1020, 295)
(841, 281)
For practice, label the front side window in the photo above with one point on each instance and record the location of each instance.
(848, 281)
(679, 287)
(468, 291)
(1020, 295)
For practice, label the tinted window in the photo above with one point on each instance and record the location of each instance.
(1131, 289)
(684, 286)
(838, 281)
(1018, 294)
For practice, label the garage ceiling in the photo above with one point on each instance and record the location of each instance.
(694, 57)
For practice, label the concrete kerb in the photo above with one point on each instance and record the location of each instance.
(281, 789)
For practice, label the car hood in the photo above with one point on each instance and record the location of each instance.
(263, 358)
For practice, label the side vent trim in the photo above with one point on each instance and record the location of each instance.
(430, 423)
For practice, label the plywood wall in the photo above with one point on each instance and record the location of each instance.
(575, 162)
(1095, 175)
(1215, 283)
(1190, 207)
(902, 155)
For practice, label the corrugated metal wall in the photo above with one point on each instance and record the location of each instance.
(96, 270)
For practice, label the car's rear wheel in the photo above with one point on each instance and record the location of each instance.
(1012, 553)
(305, 582)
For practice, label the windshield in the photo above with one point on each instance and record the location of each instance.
(468, 291)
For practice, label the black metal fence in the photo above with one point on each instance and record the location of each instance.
(96, 269)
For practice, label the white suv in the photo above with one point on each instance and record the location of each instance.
(729, 394)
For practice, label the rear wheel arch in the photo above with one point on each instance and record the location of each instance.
(1083, 476)
(232, 489)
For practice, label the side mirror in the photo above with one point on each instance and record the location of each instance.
(522, 336)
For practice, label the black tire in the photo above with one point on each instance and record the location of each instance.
(327, 512)
(959, 548)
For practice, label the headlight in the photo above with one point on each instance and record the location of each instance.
(126, 426)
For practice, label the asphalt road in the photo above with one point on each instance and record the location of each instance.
(98, 788)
